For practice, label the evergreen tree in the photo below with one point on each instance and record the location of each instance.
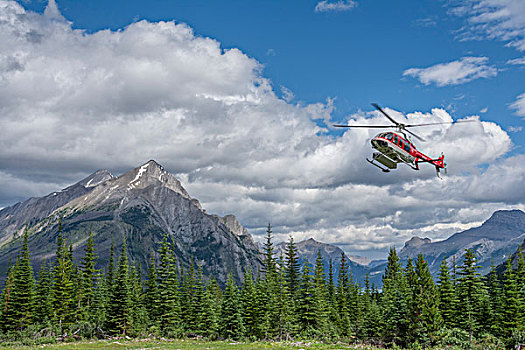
(231, 320)
(394, 300)
(269, 262)
(292, 268)
(212, 309)
(307, 305)
(89, 275)
(120, 315)
(496, 302)
(44, 306)
(511, 311)
(63, 286)
(9, 320)
(151, 296)
(470, 287)
(427, 306)
(249, 304)
(169, 304)
(320, 295)
(342, 297)
(447, 296)
(23, 290)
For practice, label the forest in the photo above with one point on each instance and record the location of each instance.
(285, 301)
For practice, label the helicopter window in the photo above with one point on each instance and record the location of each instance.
(389, 136)
(407, 147)
(395, 140)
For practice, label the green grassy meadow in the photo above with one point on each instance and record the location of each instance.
(183, 345)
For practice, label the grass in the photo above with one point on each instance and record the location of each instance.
(183, 345)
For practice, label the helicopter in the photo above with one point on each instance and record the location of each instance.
(396, 147)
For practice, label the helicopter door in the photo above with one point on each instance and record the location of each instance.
(395, 140)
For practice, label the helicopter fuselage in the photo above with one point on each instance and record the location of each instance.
(394, 148)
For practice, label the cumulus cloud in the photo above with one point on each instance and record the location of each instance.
(519, 105)
(455, 72)
(335, 6)
(493, 19)
(73, 102)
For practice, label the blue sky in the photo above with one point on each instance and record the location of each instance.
(247, 127)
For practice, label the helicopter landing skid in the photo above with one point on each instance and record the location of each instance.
(385, 170)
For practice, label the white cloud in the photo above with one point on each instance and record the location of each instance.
(517, 61)
(519, 105)
(73, 102)
(335, 6)
(455, 72)
(502, 20)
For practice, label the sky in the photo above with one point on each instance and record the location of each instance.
(238, 98)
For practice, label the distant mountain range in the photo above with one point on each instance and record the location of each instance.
(141, 206)
(493, 241)
(147, 202)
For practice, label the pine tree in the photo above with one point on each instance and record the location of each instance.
(307, 305)
(23, 290)
(169, 304)
(89, 275)
(285, 306)
(496, 302)
(470, 287)
(447, 296)
(44, 306)
(511, 311)
(151, 296)
(320, 295)
(292, 268)
(394, 300)
(249, 304)
(63, 286)
(269, 262)
(231, 320)
(9, 320)
(343, 297)
(427, 306)
(212, 309)
(138, 309)
(120, 305)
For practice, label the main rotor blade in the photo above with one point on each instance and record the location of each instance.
(425, 124)
(416, 136)
(384, 113)
(363, 126)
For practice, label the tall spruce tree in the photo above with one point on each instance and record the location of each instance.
(447, 296)
(89, 276)
(151, 296)
(63, 285)
(120, 315)
(394, 300)
(292, 268)
(23, 291)
(470, 287)
(169, 304)
(307, 303)
(43, 305)
(231, 319)
(511, 312)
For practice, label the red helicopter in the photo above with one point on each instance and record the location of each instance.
(394, 148)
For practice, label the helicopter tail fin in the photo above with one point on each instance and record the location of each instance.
(440, 164)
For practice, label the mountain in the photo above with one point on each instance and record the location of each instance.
(501, 268)
(308, 249)
(141, 206)
(494, 240)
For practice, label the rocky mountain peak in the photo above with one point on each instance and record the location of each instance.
(231, 222)
(417, 241)
(505, 216)
(98, 177)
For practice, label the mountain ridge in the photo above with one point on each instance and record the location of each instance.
(141, 205)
